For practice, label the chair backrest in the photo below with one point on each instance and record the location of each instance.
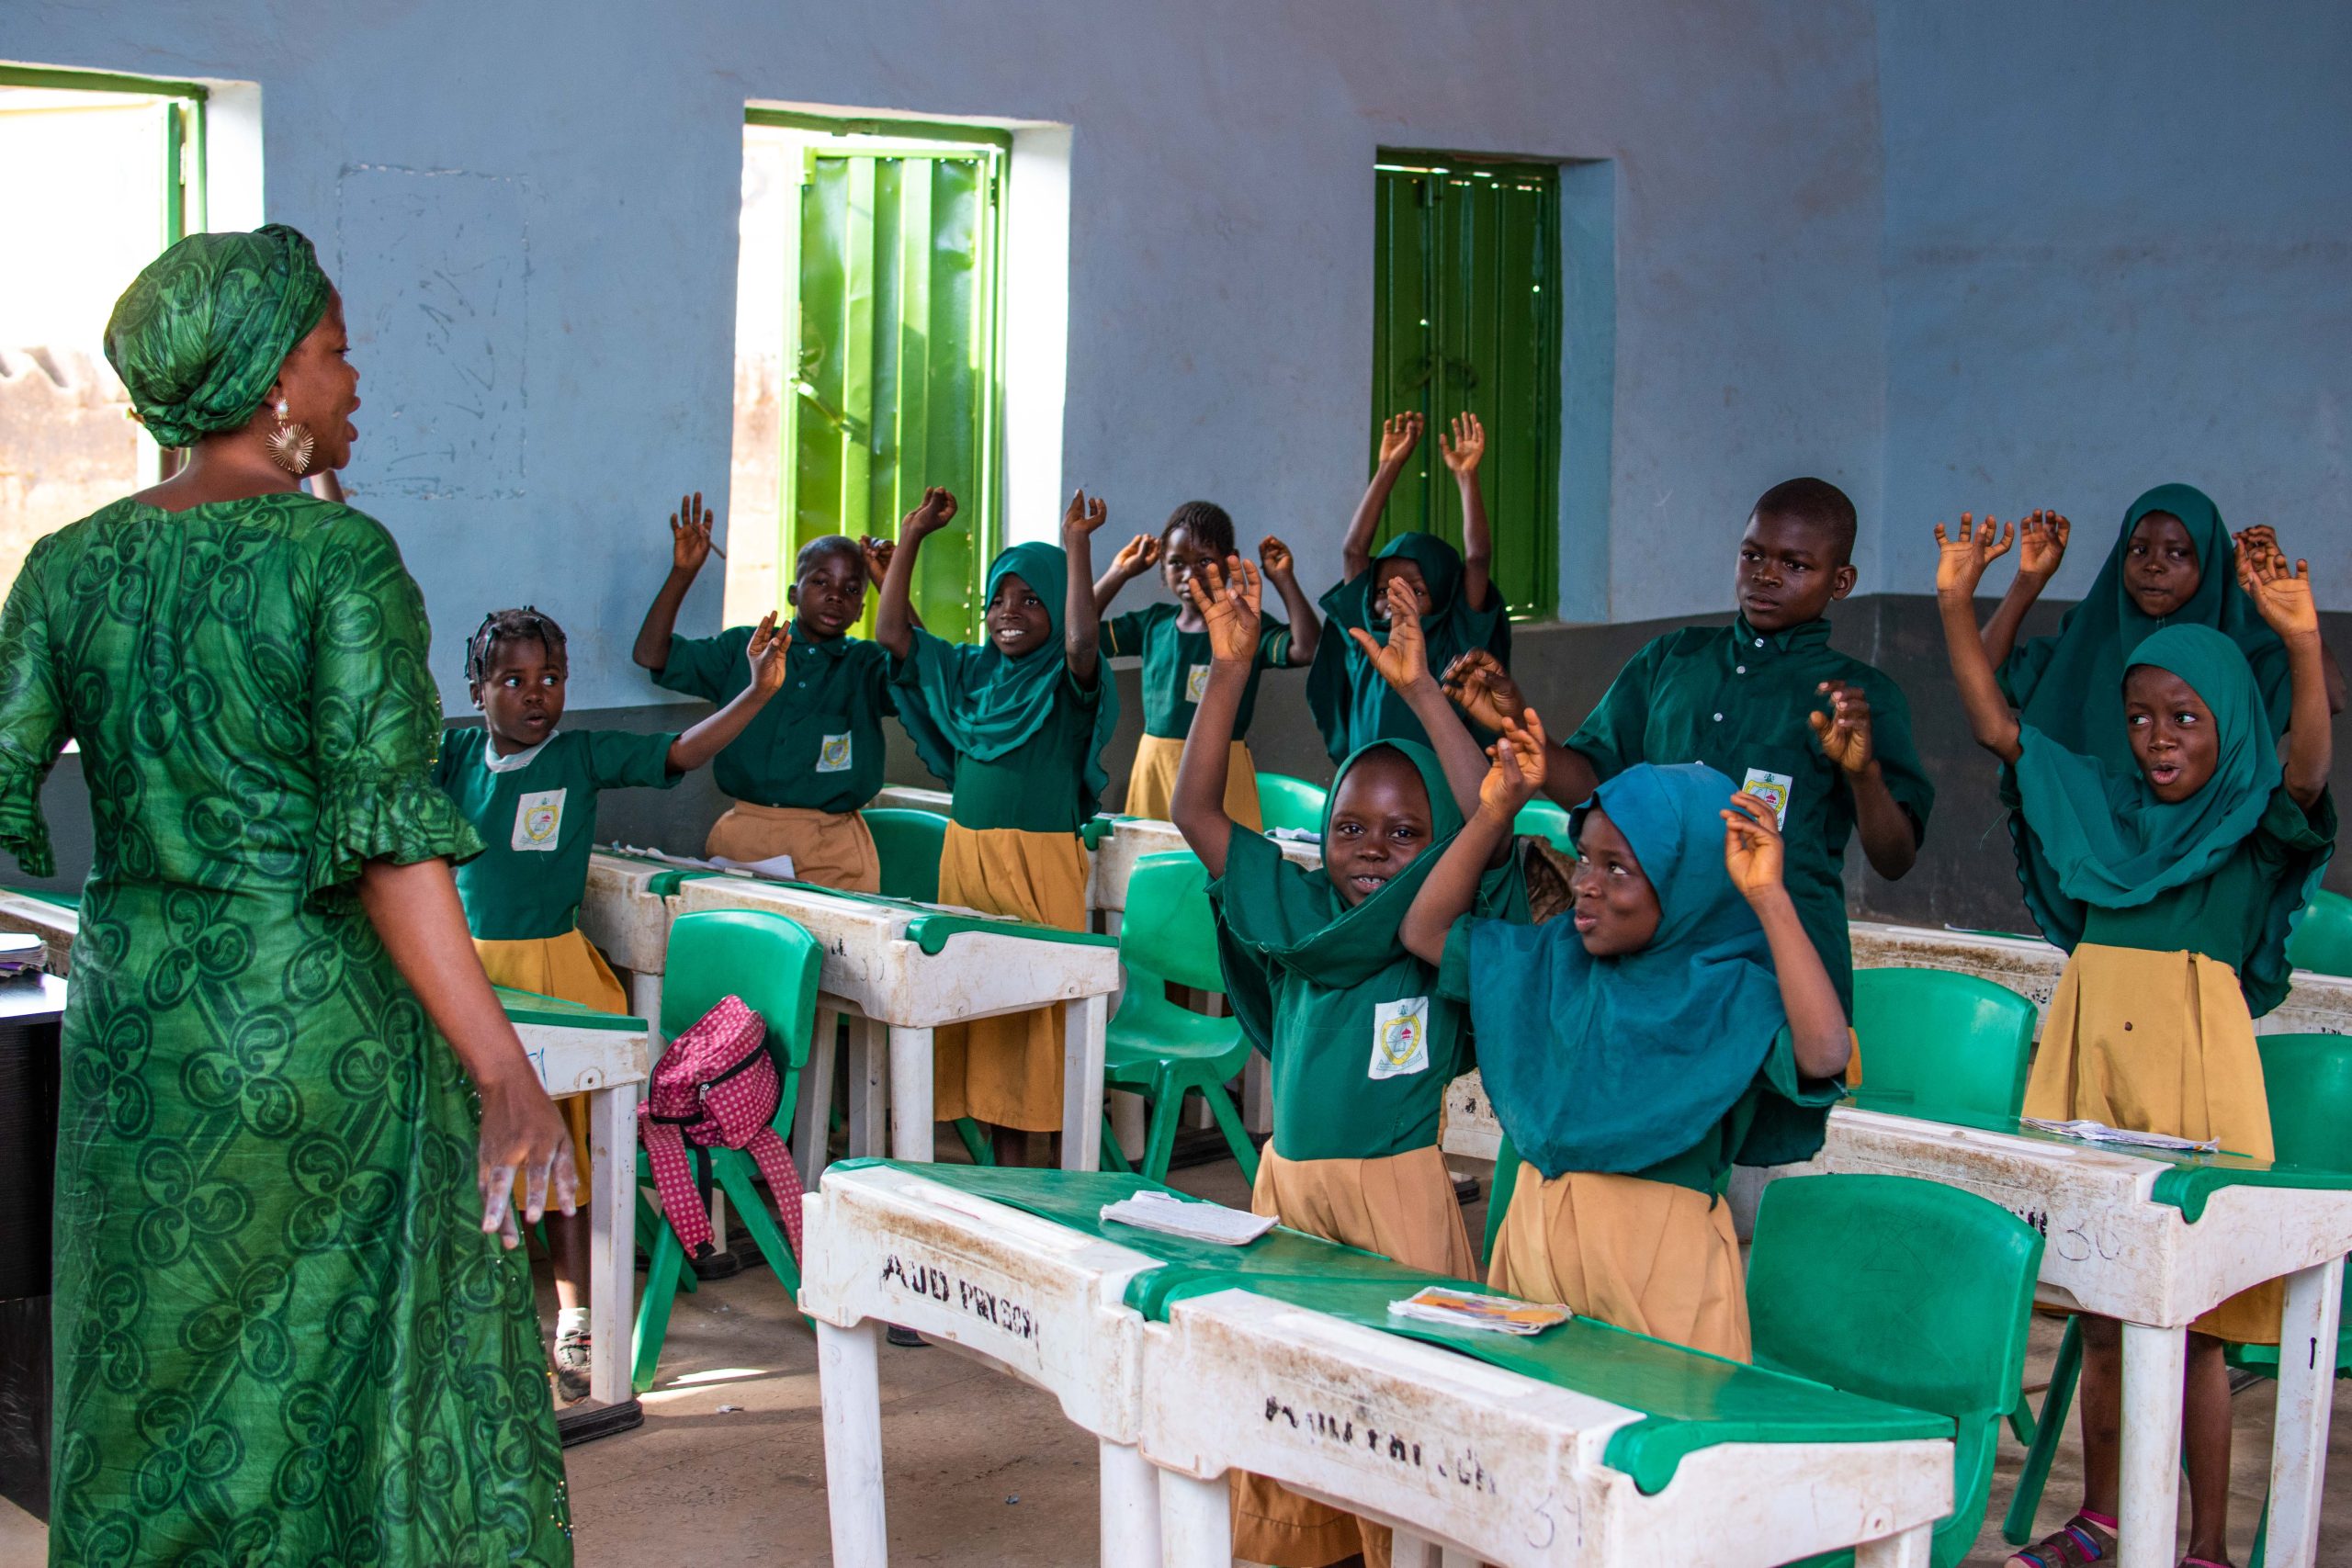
(907, 842)
(1167, 928)
(765, 959)
(2308, 1080)
(2322, 939)
(1286, 802)
(1542, 818)
(1932, 1040)
(1905, 1291)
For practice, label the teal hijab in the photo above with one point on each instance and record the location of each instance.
(2050, 679)
(1346, 696)
(1617, 1063)
(980, 703)
(2089, 833)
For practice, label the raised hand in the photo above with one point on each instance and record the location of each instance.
(690, 528)
(936, 511)
(2041, 543)
(1517, 771)
(1083, 517)
(878, 554)
(1483, 689)
(768, 645)
(1752, 848)
(1404, 662)
(1960, 562)
(1274, 555)
(2282, 593)
(1137, 556)
(1399, 434)
(1229, 603)
(1469, 443)
(2262, 539)
(1845, 730)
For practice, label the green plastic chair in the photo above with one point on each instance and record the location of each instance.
(772, 964)
(1286, 802)
(1905, 1291)
(2322, 940)
(1935, 1041)
(1542, 818)
(1152, 1046)
(908, 843)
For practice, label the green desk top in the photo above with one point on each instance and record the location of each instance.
(1689, 1400)
(554, 1012)
(61, 900)
(2187, 1181)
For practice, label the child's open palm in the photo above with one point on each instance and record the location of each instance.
(1138, 555)
(690, 528)
(1483, 689)
(2282, 593)
(769, 644)
(1083, 515)
(937, 511)
(2042, 542)
(1469, 443)
(1229, 603)
(1399, 434)
(1844, 731)
(1960, 562)
(1518, 770)
(1405, 660)
(1752, 847)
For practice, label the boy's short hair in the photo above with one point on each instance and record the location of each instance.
(825, 545)
(1209, 524)
(1814, 502)
(526, 625)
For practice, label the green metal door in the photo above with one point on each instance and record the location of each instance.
(895, 385)
(1466, 300)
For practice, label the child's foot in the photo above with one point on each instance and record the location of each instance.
(570, 1360)
(2080, 1541)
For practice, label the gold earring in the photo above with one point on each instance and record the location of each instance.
(290, 444)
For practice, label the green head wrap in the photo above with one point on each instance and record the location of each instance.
(198, 335)
(1350, 704)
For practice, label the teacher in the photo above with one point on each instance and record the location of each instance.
(282, 1334)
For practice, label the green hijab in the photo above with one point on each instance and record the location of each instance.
(1345, 693)
(200, 334)
(1617, 1063)
(2049, 679)
(980, 703)
(2091, 834)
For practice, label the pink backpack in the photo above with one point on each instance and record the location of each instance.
(718, 1085)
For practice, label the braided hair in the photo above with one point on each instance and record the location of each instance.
(1209, 524)
(526, 625)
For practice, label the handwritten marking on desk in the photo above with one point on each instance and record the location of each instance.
(1463, 1468)
(997, 1311)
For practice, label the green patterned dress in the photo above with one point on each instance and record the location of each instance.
(281, 1337)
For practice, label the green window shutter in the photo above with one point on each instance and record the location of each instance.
(896, 384)
(1467, 320)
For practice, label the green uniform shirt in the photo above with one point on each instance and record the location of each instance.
(1176, 666)
(538, 820)
(818, 743)
(1736, 699)
(1371, 708)
(1035, 787)
(2227, 916)
(1359, 1073)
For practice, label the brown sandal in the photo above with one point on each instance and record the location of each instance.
(2074, 1544)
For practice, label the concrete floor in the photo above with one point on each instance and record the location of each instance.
(728, 1466)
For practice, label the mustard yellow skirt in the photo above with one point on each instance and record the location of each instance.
(2161, 1042)
(1402, 1207)
(1151, 786)
(569, 967)
(1008, 1070)
(831, 849)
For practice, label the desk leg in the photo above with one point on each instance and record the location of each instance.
(1196, 1521)
(645, 1001)
(1257, 1094)
(612, 1248)
(1130, 1508)
(2306, 1389)
(1082, 1025)
(1907, 1550)
(812, 1118)
(2153, 1361)
(1406, 1550)
(910, 1064)
(868, 1090)
(849, 1387)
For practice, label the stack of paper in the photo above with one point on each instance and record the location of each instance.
(21, 953)
(1464, 1309)
(1177, 1216)
(1294, 835)
(2101, 1132)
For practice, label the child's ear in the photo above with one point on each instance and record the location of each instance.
(1844, 579)
(792, 596)
(474, 690)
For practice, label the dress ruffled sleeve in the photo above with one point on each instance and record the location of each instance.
(33, 728)
(374, 717)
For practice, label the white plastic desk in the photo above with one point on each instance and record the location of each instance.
(2116, 1249)
(1132, 837)
(55, 924)
(876, 976)
(1480, 1463)
(629, 921)
(907, 797)
(1019, 1294)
